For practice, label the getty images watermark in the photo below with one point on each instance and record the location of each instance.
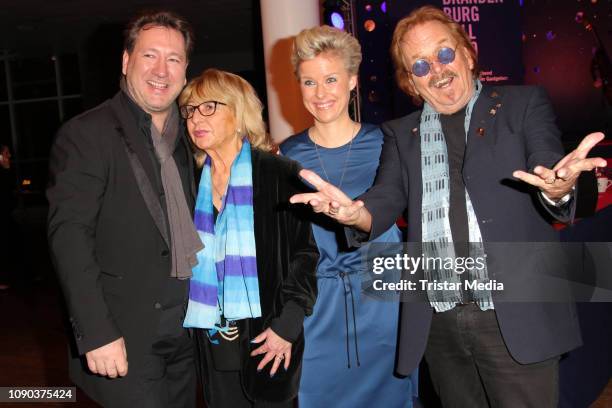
(445, 266)
(511, 271)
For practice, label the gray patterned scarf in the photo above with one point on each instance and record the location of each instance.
(184, 239)
(436, 231)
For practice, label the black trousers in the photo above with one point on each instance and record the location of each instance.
(167, 378)
(471, 367)
(223, 389)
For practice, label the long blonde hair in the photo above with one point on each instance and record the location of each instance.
(239, 96)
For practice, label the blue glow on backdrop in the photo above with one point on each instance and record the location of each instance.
(337, 20)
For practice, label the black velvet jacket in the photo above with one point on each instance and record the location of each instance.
(287, 258)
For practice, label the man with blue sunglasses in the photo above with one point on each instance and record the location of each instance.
(477, 164)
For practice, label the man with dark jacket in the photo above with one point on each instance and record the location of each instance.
(120, 227)
(455, 168)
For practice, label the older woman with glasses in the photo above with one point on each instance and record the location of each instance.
(350, 339)
(255, 280)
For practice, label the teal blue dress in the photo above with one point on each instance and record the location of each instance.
(351, 338)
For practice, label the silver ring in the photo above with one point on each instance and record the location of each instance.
(332, 211)
(280, 357)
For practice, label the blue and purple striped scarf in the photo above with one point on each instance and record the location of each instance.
(225, 282)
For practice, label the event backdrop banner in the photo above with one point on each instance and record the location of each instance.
(493, 26)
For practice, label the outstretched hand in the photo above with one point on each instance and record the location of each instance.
(330, 200)
(558, 181)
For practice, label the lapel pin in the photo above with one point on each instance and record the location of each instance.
(493, 111)
(494, 94)
(480, 131)
(498, 105)
(415, 131)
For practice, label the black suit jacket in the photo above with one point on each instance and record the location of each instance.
(511, 128)
(112, 261)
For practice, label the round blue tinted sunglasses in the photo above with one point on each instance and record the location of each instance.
(421, 67)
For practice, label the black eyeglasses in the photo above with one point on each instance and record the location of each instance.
(207, 108)
(421, 67)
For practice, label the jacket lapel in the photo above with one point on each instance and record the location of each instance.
(128, 127)
(481, 137)
(140, 163)
(410, 141)
(256, 162)
(185, 163)
(261, 225)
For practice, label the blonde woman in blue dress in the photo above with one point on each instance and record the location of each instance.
(350, 340)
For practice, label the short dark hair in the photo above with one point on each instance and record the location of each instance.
(150, 19)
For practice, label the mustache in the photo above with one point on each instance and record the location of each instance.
(444, 75)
